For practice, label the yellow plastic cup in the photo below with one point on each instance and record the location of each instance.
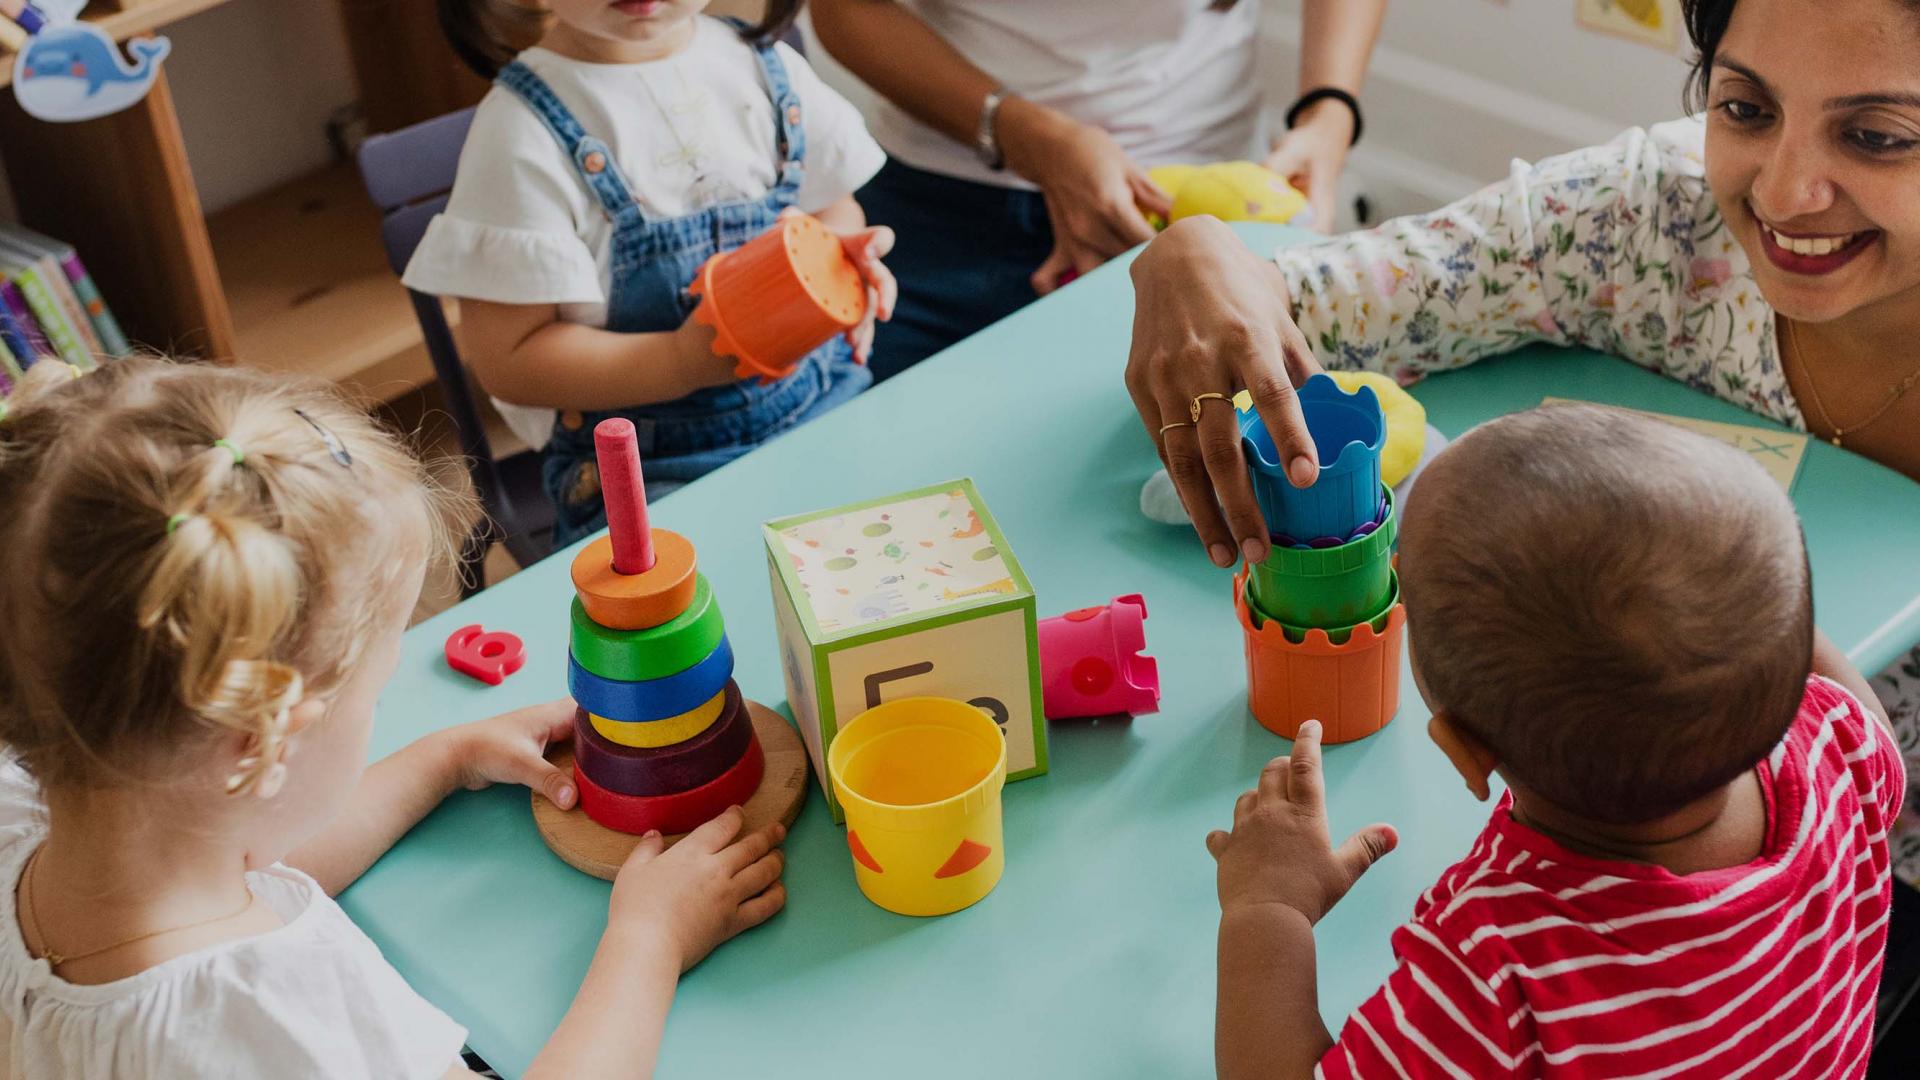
(920, 781)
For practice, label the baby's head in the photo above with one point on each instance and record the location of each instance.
(202, 569)
(488, 34)
(1614, 610)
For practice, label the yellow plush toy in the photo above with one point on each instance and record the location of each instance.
(1228, 190)
(1406, 421)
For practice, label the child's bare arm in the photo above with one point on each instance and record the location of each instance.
(525, 353)
(1279, 873)
(1268, 1019)
(1829, 661)
(403, 787)
(670, 907)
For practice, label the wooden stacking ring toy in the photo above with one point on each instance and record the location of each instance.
(664, 770)
(663, 739)
(677, 813)
(653, 699)
(636, 601)
(646, 734)
(654, 653)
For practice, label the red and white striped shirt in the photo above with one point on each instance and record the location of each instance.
(1528, 960)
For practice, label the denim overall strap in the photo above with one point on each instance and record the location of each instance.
(591, 158)
(786, 121)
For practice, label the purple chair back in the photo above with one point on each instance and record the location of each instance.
(407, 173)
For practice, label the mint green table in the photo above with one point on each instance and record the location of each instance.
(1095, 955)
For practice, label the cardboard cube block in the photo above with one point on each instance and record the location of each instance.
(913, 594)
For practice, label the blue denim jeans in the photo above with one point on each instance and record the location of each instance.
(963, 254)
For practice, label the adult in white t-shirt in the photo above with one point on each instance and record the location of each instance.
(1020, 132)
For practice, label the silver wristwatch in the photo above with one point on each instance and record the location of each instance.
(985, 145)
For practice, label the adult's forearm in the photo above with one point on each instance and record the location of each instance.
(1336, 41)
(902, 58)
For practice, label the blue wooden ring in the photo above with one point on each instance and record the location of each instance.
(665, 770)
(652, 699)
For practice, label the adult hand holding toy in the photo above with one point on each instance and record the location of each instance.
(1212, 318)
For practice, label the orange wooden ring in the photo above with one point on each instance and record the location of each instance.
(636, 601)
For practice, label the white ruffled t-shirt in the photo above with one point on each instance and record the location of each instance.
(313, 998)
(689, 131)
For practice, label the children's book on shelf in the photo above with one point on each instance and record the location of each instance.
(14, 303)
(98, 316)
(42, 283)
(60, 288)
(10, 368)
(17, 338)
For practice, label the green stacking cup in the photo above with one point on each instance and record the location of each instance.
(1327, 587)
(1336, 635)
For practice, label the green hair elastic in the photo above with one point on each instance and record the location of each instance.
(174, 522)
(239, 455)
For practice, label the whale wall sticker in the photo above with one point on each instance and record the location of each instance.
(75, 72)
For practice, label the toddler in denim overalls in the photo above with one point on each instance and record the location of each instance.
(536, 225)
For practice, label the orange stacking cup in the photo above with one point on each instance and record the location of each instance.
(779, 296)
(1353, 688)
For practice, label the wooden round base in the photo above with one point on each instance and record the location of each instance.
(590, 847)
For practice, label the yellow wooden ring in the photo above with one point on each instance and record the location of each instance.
(651, 733)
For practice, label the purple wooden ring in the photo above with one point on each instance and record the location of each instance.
(665, 770)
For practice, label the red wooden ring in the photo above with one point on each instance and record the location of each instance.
(672, 814)
(665, 770)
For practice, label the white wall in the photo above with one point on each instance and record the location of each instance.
(254, 82)
(1458, 88)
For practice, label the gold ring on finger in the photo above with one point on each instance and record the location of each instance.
(1164, 428)
(1211, 395)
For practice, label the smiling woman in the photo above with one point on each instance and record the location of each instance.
(1766, 251)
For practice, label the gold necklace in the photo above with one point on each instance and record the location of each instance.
(1894, 393)
(55, 959)
(693, 157)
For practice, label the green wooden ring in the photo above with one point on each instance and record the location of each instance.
(653, 653)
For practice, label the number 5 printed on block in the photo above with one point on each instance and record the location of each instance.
(992, 706)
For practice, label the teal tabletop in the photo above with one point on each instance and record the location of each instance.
(1095, 955)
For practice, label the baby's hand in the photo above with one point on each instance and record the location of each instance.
(1279, 852)
(866, 248)
(511, 748)
(703, 890)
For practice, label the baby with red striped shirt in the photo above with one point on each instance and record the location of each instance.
(1688, 874)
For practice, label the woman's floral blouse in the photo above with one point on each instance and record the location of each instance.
(1618, 248)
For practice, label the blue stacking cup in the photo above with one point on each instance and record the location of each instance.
(1348, 431)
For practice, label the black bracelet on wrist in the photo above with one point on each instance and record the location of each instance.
(1323, 93)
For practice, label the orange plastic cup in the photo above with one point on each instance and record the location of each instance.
(1353, 688)
(779, 296)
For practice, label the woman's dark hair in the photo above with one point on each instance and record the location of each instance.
(1706, 24)
(487, 34)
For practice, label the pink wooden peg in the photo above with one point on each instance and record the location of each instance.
(618, 447)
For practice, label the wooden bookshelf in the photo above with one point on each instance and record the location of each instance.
(310, 290)
(290, 280)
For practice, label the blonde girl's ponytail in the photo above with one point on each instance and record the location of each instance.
(226, 592)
